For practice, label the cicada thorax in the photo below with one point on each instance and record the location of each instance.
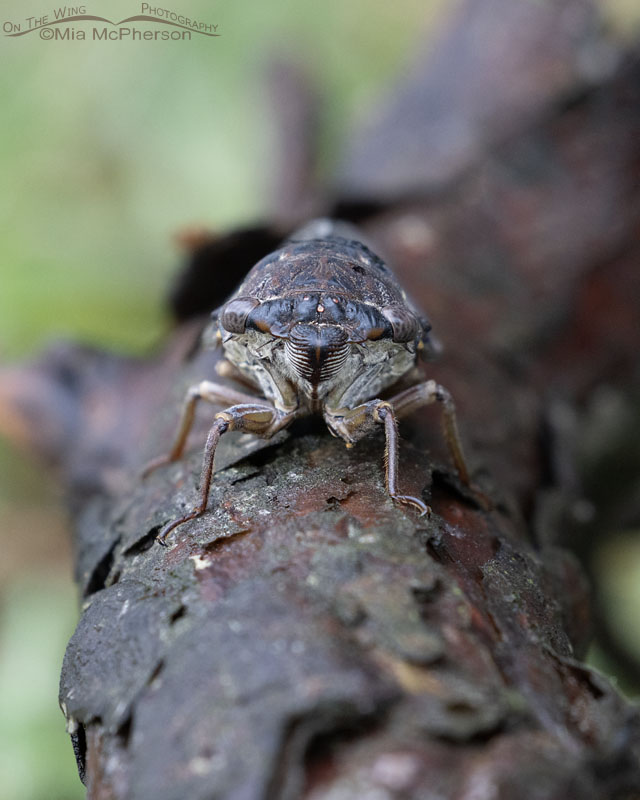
(334, 264)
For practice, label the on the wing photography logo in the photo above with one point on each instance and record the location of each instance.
(74, 23)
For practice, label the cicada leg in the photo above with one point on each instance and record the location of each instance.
(206, 390)
(353, 424)
(257, 418)
(356, 423)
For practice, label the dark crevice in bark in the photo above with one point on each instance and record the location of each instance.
(79, 744)
(143, 544)
(102, 571)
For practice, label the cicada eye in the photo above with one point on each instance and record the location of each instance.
(404, 323)
(234, 314)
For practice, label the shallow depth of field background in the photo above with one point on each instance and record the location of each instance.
(106, 150)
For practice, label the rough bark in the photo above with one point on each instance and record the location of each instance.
(307, 638)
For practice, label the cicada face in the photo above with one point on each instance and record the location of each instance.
(321, 321)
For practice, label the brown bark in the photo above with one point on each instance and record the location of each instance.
(307, 638)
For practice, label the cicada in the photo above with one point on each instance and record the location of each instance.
(320, 326)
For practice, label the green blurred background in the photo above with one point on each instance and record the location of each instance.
(107, 149)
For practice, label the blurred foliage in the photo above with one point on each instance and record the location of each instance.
(619, 578)
(623, 16)
(37, 617)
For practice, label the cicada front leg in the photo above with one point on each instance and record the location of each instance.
(260, 419)
(353, 424)
(215, 393)
(356, 423)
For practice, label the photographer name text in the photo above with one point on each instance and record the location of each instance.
(60, 25)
